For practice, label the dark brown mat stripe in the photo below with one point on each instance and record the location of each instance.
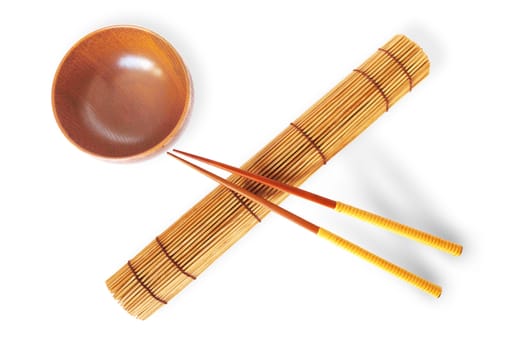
(375, 83)
(400, 65)
(164, 250)
(143, 284)
(311, 141)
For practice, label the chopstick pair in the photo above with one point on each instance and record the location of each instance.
(423, 237)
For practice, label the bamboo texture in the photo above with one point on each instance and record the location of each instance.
(349, 210)
(185, 249)
(341, 242)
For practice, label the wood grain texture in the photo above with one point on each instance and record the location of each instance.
(121, 92)
(215, 223)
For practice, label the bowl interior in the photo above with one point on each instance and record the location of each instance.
(121, 92)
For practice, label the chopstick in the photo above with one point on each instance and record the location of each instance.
(374, 219)
(413, 279)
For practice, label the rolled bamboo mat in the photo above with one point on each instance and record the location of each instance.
(185, 249)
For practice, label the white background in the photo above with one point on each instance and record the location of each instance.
(446, 159)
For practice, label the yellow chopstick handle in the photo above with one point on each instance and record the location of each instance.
(397, 271)
(404, 230)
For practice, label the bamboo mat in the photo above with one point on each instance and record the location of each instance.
(185, 249)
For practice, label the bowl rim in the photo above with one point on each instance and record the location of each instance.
(182, 117)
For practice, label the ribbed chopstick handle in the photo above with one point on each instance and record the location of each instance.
(401, 229)
(415, 280)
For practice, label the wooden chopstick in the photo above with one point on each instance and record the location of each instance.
(374, 219)
(396, 270)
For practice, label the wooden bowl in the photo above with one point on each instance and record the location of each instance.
(121, 92)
